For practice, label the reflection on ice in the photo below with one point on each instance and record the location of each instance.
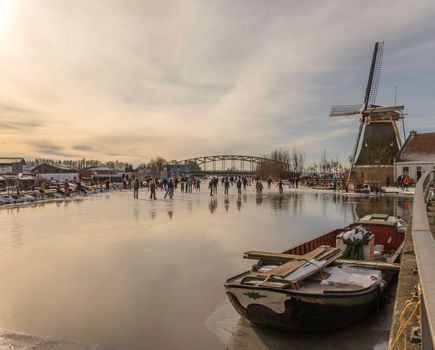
(235, 333)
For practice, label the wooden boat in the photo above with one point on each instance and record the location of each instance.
(311, 288)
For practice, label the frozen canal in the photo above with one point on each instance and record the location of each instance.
(136, 274)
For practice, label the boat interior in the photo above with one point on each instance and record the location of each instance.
(320, 265)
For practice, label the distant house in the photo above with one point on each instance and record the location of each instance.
(100, 174)
(58, 172)
(416, 156)
(11, 166)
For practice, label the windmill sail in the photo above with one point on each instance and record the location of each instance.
(375, 75)
(346, 110)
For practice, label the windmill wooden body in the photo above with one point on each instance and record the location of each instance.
(373, 154)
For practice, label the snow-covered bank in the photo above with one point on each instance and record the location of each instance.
(14, 201)
(18, 340)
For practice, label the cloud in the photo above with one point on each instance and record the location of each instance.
(14, 118)
(49, 148)
(16, 125)
(82, 148)
(15, 110)
(184, 78)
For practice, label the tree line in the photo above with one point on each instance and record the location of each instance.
(283, 163)
(83, 163)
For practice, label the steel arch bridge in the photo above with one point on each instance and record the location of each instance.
(224, 164)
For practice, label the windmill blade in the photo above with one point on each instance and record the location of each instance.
(355, 149)
(345, 110)
(374, 75)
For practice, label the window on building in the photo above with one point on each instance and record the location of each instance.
(405, 171)
(418, 172)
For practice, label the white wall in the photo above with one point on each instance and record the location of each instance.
(413, 168)
(5, 169)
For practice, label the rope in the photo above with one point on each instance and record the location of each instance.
(402, 325)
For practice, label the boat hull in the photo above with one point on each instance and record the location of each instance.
(307, 313)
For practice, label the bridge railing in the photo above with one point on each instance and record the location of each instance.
(424, 247)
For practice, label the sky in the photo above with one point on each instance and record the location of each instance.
(133, 79)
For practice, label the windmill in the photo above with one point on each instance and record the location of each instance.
(381, 140)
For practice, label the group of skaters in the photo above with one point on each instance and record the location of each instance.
(229, 181)
(187, 185)
(192, 184)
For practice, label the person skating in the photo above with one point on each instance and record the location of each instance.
(226, 185)
(153, 190)
(400, 182)
(260, 187)
(239, 186)
(406, 182)
(279, 185)
(215, 185)
(170, 189)
(136, 188)
(210, 186)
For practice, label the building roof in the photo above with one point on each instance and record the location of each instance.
(11, 160)
(418, 147)
(100, 168)
(64, 167)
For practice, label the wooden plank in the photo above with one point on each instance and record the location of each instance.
(322, 251)
(370, 264)
(292, 265)
(329, 253)
(394, 257)
(285, 269)
(328, 262)
(316, 252)
(259, 255)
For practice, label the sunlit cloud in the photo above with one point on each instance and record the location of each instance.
(132, 80)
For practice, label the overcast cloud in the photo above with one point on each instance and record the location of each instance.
(134, 79)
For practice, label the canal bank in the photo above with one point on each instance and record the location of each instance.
(414, 311)
(406, 297)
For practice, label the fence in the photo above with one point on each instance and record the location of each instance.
(424, 246)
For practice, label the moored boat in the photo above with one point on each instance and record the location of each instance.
(319, 285)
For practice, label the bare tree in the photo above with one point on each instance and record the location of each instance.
(278, 164)
(157, 164)
(323, 165)
(297, 160)
(280, 155)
